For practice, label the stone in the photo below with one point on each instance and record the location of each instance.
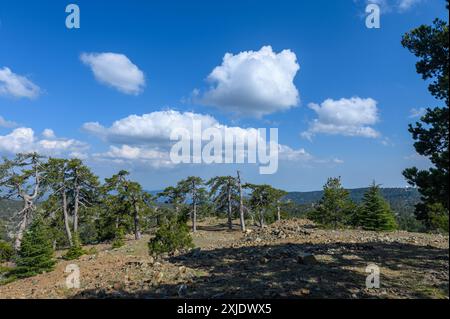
(182, 290)
(306, 259)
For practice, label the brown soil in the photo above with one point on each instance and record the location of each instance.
(262, 263)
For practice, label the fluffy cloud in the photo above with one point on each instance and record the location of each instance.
(115, 70)
(144, 155)
(151, 128)
(253, 83)
(23, 139)
(146, 138)
(48, 133)
(18, 86)
(349, 117)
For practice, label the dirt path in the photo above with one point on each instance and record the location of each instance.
(260, 264)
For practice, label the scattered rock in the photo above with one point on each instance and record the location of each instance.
(182, 290)
(306, 259)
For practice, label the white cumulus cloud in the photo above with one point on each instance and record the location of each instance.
(253, 83)
(146, 155)
(23, 140)
(115, 70)
(152, 128)
(146, 138)
(18, 86)
(349, 117)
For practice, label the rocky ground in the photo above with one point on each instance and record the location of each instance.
(289, 259)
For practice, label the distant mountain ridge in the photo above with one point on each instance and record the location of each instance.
(408, 195)
(400, 199)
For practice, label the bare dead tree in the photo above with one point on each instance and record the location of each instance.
(241, 202)
(22, 178)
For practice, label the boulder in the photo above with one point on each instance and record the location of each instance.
(306, 259)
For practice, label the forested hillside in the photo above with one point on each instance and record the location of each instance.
(400, 199)
(8, 207)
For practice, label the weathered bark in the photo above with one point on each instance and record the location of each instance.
(261, 214)
(21, 229)
(66, 217)
(194, 216)
(230, 209)
(278, 212)
(76, 208)
(26, 213)
(261, 218)
(137, 233)
(28, 209)
(241, 203)
(194, 208)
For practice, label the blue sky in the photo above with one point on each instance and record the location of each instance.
(160, 56)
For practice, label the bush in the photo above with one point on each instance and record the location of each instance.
(91, 251)
(171, 235)
(75, 251)
(119, 239)
(6, 251)
(438, 217)
(36, 252)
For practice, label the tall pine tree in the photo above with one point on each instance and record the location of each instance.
(430, 43)
(375, 213)
(36, 252)
(335, 208)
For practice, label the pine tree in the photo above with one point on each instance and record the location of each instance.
(119, 239)
(171, 235)
(193, 187)
(375, 213)
(224, 193)
(430, 43)
(75, 251)
(335, 208)
(36, 252)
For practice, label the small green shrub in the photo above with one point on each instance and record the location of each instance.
(5, 278)
(75, 251)
(171, 235)
(119, 239)
(91, 251)
(6, 251)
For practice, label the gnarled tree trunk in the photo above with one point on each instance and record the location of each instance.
(76, 208)
(137, 233)
(66, 217)
(230, 209)
(241, 203)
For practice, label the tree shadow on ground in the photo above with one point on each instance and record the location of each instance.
(273, 271)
